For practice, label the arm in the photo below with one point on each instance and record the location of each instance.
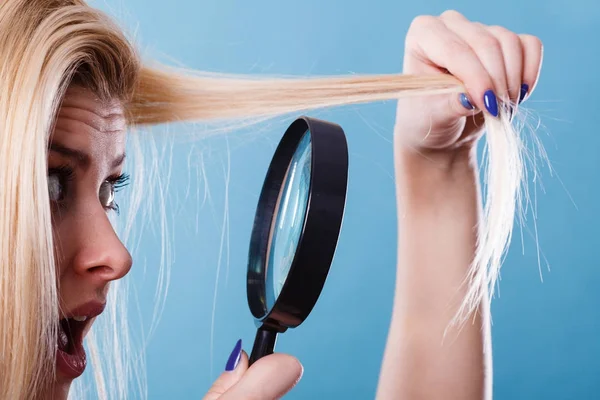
(439, 205)
(438, 209)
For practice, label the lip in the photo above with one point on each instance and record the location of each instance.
(72, 364)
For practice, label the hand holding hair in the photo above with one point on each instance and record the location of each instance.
(497, 67)
(450, 248)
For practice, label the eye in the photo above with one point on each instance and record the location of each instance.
(55, 188)
(108, 190)
(107, 194)
(58, 180)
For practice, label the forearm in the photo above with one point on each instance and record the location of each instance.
(438, 212)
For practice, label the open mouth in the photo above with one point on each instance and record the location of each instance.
(70, 357)
(70, 334)
(70, 354)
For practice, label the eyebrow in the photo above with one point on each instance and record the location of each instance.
(81, 157)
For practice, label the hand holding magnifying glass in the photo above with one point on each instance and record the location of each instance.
(296, 228)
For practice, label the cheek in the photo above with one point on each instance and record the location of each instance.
(63, 239)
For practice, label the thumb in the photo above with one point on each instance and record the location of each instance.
(270, 378)
(237, 364)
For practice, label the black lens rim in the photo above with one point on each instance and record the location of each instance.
(319, 235)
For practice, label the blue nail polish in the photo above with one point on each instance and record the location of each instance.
(524, 90)
(464, 100)
(491, 103)
(235, 356)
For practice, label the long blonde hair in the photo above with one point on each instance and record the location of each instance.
(47, 45)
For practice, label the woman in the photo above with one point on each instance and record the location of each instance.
(71, 84)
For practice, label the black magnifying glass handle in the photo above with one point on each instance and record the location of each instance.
(264, 344)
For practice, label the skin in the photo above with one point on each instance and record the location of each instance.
(438, 203)
(90, 255)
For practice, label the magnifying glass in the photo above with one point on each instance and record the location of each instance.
(296, 228)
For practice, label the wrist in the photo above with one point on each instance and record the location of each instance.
(423, 177)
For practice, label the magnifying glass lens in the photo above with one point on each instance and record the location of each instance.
(290, 214)
(296, 228)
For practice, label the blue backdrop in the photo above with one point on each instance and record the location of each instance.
(545, 334)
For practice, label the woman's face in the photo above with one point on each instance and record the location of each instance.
(85, 162)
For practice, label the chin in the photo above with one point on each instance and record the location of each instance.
(61, 390)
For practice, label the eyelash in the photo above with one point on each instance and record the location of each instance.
(117, 183)
(64, 172)
(66, 175)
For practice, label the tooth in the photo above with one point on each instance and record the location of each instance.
(79, 319)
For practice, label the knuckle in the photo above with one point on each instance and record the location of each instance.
(513, 39)
(423, 21)
(418, 26)
(487, 43)
(532, 41)
(497, 29)
(452, 14)
(456, 49)
(506, 36)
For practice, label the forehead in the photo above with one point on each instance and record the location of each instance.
(86, 123)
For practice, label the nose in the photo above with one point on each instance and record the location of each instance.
(100, 255)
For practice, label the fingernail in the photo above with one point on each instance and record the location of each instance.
(524, 90)
(491, 103)
(464, 100)
(234, 357)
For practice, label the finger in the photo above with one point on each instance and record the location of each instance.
(237, 365)
(533, 53)
(431, 40)
(269, 378)
(488, 51)
(512, 50)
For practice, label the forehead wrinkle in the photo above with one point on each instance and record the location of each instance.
(110, 123)
(62, 125)
(102, 109)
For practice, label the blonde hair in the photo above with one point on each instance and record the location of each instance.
(45, 46)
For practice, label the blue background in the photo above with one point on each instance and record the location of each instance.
(545, 334)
